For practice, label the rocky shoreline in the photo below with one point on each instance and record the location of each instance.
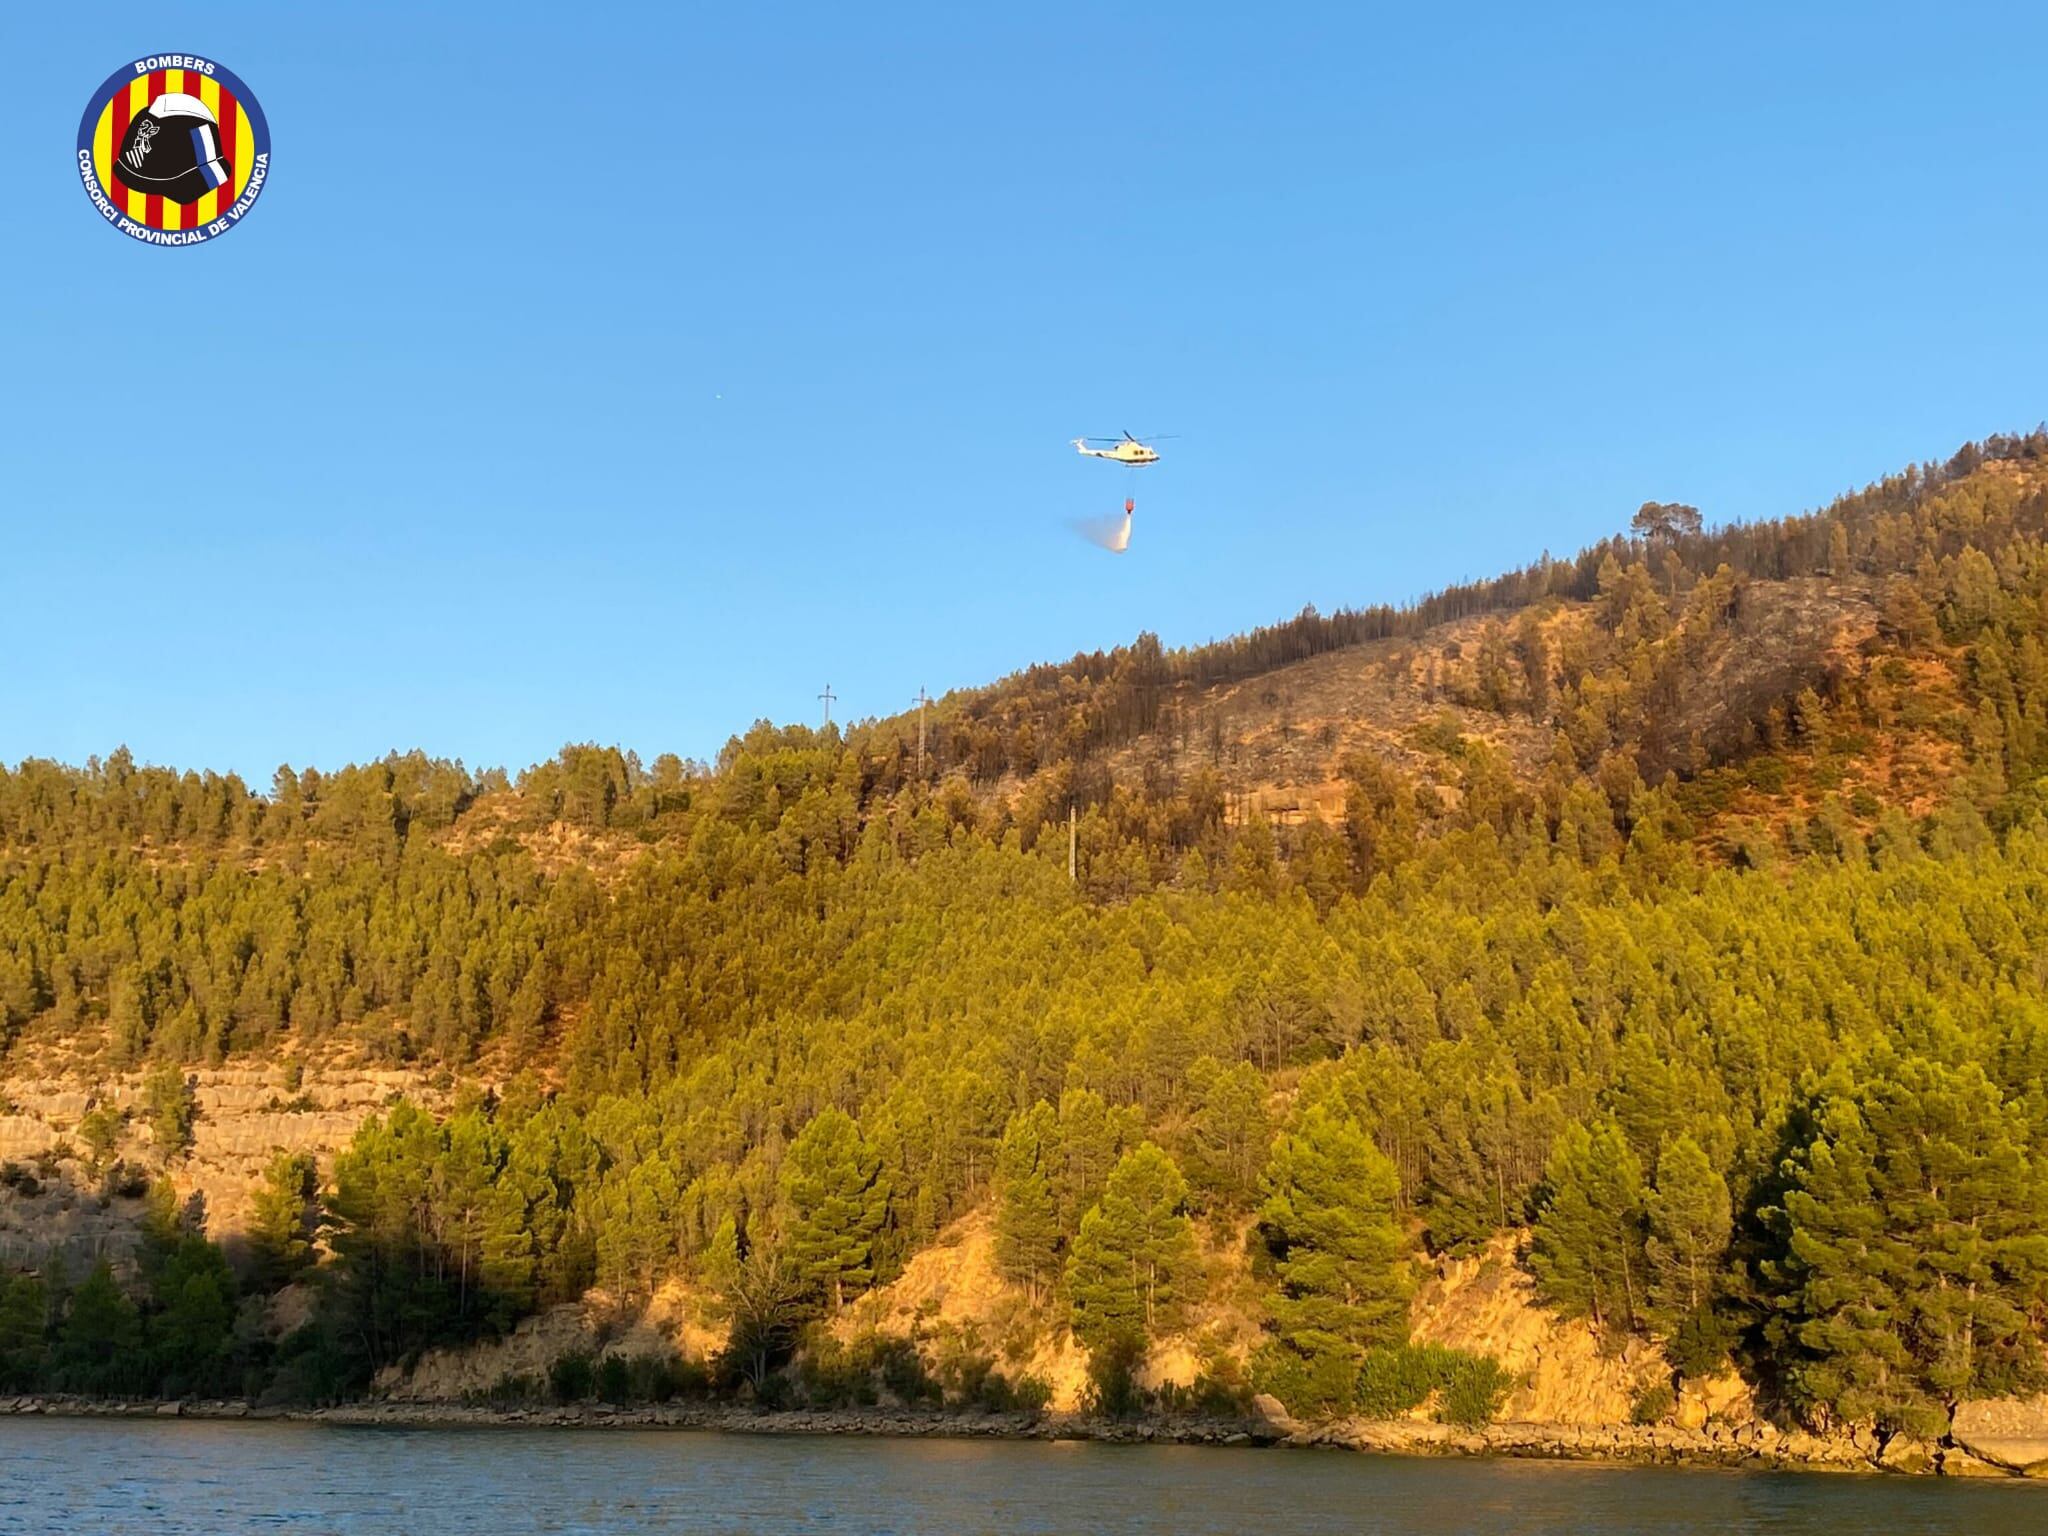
(1755, 1446)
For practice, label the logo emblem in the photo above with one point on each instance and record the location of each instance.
(173, 150)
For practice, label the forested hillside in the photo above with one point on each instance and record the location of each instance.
(1681, 904)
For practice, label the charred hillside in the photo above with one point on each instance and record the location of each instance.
(1680, 661)
(1103, 700)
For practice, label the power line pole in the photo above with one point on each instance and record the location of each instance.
(828, 696)
(1070, 841)
(922, 699)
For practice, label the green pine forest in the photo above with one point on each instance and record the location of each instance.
(1748, 1050)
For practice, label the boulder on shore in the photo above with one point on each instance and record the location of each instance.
(1269, 1410)
(1958, 1463)
(1904, 1453)
(2009, 1432)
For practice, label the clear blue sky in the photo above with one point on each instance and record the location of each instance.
(628, 372)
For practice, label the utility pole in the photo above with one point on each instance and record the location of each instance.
(1070, 841)
(922, 699)
(828, 696)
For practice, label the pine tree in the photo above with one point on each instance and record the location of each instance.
(1027, 1214)
(1914, 1251)
(24, 1321)
(1689, 1231)
(1587, 1248)
(760, 1300)
(521, 1220)
(1254, 867)
(837, 1197)
(636, 1238)
(283, 1219)
(1666, 520)
(1229, 1132)
(191, 1330)
(99, 1347)
(1134, 1258)
(465, 1167)
(1838, 549)
(1340, 1258)
(1092, 1137)
(167, 1093)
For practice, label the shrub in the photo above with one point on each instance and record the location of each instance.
(1029, 1393)
(512, 1390)
(1767, 774)
(1468, 1388)
(1701, 1343)
(659, 1378)
(1393, 1381)
(903, 1372)
(1210, 1396)
(1113, 1391)
(1323, 1385)
(1442, 734)
(995, 1392)
(835, 1375)
(1459, 1224)
(992, 1392)
(571, 1378)
(1654, 1404)
(315, 1367)
(1220, 1390)
(970, 1376)
(100, 1130)
(614, 1379)
(124, 1181)
(19, 1179)
(1279, 1372)
(1472, 1393)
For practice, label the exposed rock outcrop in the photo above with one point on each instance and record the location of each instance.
(531, 1349)
(2012, 1433)
(1487, 1305)
(1904, 1453)
(953, 1288)
(243, 1117)
(596, 1327)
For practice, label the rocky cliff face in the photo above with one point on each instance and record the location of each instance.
(673, 1322)
(1487, 1305)
(952, 1296)
(56, 1201)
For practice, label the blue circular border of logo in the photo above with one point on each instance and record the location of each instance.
(259, 131)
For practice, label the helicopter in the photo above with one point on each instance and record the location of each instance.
(1119, 450)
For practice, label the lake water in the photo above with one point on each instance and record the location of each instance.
(117, 1477)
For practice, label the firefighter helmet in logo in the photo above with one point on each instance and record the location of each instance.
(173, 149)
